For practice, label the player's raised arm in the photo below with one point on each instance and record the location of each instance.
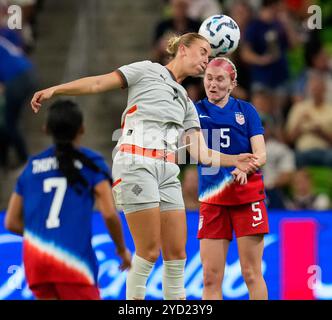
(199, 151)
(83, 86)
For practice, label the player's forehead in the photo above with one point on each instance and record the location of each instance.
(216, 71)
(203, 45)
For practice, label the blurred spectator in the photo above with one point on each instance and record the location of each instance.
(201, 9)
(190, 188)
(263, 102)
(279, 167)
(179, 23)
(309, 126)
(303, 196)
(264, 48)
(18, 77)
(241, 12)
(317, 60)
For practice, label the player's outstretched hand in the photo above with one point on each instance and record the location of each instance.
(239, 176)
(125, 257)
(39, 97)
(247, 162)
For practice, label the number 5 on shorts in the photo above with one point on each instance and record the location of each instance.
(258, 210)
(60, 185)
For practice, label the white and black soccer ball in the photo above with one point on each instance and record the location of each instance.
(222, 32)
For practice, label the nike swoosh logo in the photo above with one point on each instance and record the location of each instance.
(201, 116)
(256, 224)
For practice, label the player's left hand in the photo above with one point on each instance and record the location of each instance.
(239, 176)
(125, 256)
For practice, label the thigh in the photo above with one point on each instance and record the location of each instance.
(45, 291)
(73, 291)
(173, 234)
(170, 187)
(251, 251)
(214, 222)
(250, 219)
(213, 254)
(145, 229)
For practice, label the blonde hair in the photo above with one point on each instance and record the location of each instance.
(186, 39)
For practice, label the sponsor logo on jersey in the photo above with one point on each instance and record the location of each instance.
(202, 116)
(254, 225)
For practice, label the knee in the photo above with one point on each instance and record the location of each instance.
(174, 253)
(151, 255)
(150, 251)
(212, 277)
(250, 275)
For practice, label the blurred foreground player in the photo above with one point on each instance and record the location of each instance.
(52, 207)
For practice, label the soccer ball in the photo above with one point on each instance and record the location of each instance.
(222, 32)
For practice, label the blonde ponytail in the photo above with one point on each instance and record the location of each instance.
(173, 45)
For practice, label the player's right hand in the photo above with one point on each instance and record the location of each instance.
(247, 162)
(40, 96)
(125, 257)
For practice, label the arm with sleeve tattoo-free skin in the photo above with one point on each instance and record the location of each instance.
(83, 86)
(258, 147)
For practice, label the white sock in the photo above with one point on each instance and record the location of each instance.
(173, 280)
(137, 277)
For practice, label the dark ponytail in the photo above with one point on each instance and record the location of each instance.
(64, 121)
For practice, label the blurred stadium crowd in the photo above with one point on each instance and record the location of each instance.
(284, 69)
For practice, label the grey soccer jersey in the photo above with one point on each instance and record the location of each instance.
(158, 107)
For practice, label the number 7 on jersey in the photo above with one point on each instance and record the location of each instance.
(60, 185)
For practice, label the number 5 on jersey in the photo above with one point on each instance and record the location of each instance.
(60, 185)
(226, 139)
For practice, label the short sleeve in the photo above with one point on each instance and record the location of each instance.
(103, 174)
(132, 73)
(255, 126)
(191, 118)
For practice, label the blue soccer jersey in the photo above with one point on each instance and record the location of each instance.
(57, 221)
(228, 130)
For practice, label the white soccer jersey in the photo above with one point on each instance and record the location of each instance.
(158, 108)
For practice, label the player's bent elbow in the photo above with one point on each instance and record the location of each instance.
(13, 226)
